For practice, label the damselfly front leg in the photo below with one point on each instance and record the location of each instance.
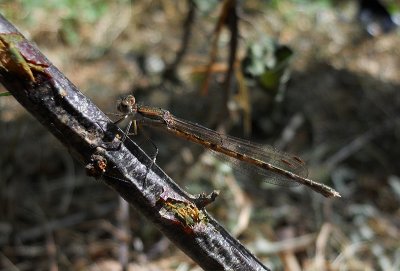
(128, 111)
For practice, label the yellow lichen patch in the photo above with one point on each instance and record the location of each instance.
(13, 61)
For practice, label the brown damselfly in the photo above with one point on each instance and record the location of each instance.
(278, 167)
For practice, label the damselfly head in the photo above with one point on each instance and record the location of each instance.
(127, 104)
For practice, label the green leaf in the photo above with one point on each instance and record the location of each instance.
(5, 94)
(266, 62)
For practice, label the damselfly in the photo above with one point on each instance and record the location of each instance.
(279, 167)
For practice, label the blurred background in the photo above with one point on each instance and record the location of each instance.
(319, 79)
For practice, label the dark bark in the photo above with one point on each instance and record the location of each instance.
(89, 135)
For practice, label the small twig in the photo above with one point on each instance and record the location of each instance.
(7, 263)
(290, 261)
(123, 226)
(222, 19)
(232, 22)
(290, 131)
(359, 142)
(51, 250)
(243, 204)
(170, 71)
(300, 243)
(69, 221)
(321, 243)
(202, 200)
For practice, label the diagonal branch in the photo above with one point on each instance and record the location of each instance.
(90, 136)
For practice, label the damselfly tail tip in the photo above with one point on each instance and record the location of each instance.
(329, 192)
(336, 195)
(332, 194)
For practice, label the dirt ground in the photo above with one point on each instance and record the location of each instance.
(339, 111)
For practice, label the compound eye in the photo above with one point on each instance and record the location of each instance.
(127, 104)
(130, 100)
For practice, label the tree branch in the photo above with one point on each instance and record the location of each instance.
(91, 137)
